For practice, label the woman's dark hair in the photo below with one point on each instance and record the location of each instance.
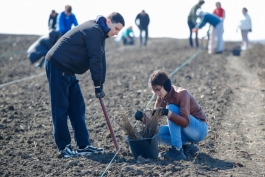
(158, 77)
(116, 17)
(201, 2)
(245, 9)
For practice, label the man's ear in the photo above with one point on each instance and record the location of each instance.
(108, 21)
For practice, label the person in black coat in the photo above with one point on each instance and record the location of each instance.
(80, 49)
(41, 47)
(52, 22)
(142, 20)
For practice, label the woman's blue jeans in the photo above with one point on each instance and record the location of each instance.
(175, 135)
(66, 101)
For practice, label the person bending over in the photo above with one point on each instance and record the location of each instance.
(187, 123)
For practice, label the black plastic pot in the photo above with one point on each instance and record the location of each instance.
(147, 148)
(236, 51)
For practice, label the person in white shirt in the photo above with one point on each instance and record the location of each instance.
(245, 25)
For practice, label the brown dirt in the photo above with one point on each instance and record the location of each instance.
(230, 90)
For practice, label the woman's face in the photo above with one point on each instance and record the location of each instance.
(244, 11)
(159, 91)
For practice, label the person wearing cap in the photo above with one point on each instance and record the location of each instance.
(65, 20)
(80, 49)
(187, 123)
(217, 24)
(192, 17)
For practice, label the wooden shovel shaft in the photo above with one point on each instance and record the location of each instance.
(109, 125)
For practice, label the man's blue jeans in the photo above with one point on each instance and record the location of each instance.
(66, 100)
(175, 135)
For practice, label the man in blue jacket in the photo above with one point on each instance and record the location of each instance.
(80, 49)
(65, 20)
(215, 21)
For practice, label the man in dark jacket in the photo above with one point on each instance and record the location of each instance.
(80, 49)
(192, 21)
(143, 23)
(52, 22)
(41, 47)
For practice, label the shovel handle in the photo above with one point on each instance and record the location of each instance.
(109, 125)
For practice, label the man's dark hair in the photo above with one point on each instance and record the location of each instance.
(116, 17)
(158, 77)
(245, 9)
(201, 2)
(68, 8)
(53, 11)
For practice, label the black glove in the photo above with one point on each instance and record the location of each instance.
(99, 92)
(162, 111)
(250, 30)
(139, 115)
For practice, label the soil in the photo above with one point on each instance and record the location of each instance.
(229, 88)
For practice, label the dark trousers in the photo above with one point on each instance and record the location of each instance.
(141, 36)
(191, 26)
(66, 101)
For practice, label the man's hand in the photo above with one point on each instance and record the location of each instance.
(161, 111)
(195, 30)
(99, 92)
(139, 115)
(250, 30)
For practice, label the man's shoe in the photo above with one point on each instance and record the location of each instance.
(67, 152)
(174, 154)
(89, 150)
(190, 149)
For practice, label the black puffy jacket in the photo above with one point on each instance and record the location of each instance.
(80, 49)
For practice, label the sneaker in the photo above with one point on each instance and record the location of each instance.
(190, 149)
(67, 152)
(174, 154)
(89, 150)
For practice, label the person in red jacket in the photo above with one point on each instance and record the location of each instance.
(186, 121)
(220, 12)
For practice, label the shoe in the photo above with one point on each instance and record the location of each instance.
(190, 149)
(89, 150)
(67, 152)
(218, 52)
(174, 154)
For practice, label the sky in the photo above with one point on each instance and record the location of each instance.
(168, 18)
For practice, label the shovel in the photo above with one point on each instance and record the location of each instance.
(109, 125)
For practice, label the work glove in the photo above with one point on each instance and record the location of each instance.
(162, 111)
(99, 92)
(139, 115)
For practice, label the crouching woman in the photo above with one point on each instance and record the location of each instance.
(187, 123)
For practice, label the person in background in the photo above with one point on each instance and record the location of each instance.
(65, 20)
(217, 26)
(220, 12)
(143, 24)
(128, 36)
(39, 48)
(245, 25)
(192, 22)
(187, 123)
(80, 49)
(52, 20)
